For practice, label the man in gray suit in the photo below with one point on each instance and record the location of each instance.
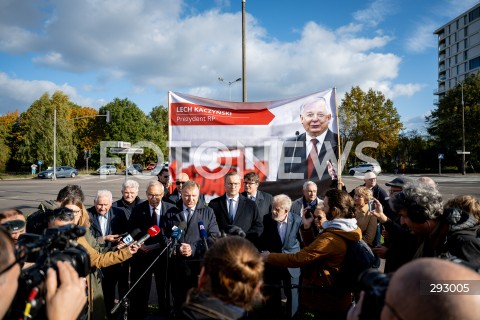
(263, 200)
(281, 234)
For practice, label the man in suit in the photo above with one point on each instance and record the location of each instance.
(106, 224)
(164, 178)
(129, 198)
(177, 193)
(262, 199)
(148, 213)
(281, 234)
(188, 256)
(307, 155)
(235, 209)
(309, 200)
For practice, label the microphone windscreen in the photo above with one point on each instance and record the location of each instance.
(201, 228)
(153, 231)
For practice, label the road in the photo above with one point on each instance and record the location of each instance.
(26, 194)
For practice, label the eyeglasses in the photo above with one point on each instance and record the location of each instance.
(20, 258)
(233, 184)
(320, 116)
(249, 183)
(156, 196)
(179, 182)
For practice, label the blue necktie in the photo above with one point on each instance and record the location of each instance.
(230, 210)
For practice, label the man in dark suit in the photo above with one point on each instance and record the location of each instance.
(263, 200)
(146, 214)
(281, 234)
(235, 209)
(188, 256)
(129, 198)
(307, 155)
(176, 196)
(106, 224)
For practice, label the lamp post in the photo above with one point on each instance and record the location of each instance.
(229, 85)
(463, 124)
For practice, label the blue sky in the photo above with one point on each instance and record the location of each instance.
(98, 50)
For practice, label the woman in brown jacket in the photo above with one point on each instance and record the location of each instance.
(367, 223)
(322, 257)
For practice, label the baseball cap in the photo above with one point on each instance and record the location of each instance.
(399, 182)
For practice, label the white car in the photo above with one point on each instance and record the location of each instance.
(107, 169)
(365, 167)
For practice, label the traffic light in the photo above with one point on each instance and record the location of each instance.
(108, 116)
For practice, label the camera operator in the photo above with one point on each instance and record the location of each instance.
(409, 294)
(63, 302)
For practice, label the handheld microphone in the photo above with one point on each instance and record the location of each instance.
(294, 149)
(203, 233)
(151, 232)
(128, 238)
(176, 235)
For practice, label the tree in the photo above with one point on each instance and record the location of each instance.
(445, 122)
(370, 117)
(159, 115)
(7, 123)
(35, 128)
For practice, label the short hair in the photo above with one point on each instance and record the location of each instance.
(103, 193)
(230, 174)
(162, 171)
(130, 184)
(154, 184)
(11, 213)
(466, 203)
(284, 201)
(63, 214)
(235, 269)
(5, 242)
(252, 176)
(364, 192)
(190, 184)
(71, 190)
(84, 220)
(421, 202)
(340, 204)
(314, 101)
(427, 181)
(308, 183)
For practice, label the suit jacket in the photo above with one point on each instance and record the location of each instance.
(270, 238)
(263, 200)
(117, 223)
(298, 150)
(191, 233)
(141, 218)
(246, 217)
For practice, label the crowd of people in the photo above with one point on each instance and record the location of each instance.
(251, 255)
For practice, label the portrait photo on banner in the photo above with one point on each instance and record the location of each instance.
(287, 142)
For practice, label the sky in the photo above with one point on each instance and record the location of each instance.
(98, 50)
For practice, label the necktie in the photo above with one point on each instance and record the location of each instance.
(252, 198)
(190, 214)
(231, 214)
(154, 216)
(312, 156)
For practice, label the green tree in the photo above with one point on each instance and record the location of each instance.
(445, 122)
(35, 131)
(4, 149)
(369, 116)
(159, 115)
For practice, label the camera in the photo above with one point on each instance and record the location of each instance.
(56, 244)
(309, 212)
(375, 285)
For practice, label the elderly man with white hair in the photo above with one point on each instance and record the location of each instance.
(129, 198)
(308, 202)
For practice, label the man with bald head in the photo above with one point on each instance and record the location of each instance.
(409, 294)
(303, 156)
(176, 196)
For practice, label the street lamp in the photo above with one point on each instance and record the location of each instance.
(463, 124)
(229, 84)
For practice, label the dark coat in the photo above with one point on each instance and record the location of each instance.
(246, 217)
(203, 306)
(128, 207)
(263, 200)
(117, 223)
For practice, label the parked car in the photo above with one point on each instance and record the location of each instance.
(61, 172)
(365, 167)
(107, 169)
(151, 165)
(135, 169)
(155, 171)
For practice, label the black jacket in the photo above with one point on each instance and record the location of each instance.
(202, 306)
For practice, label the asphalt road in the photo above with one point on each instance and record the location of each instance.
(26, 194)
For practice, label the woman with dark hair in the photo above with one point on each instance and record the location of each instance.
(322, 257)
(229, 281)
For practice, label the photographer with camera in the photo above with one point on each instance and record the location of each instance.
(65, 301)
(419, 290)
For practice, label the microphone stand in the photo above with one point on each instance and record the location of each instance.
(124, 300)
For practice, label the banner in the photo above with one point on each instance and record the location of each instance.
(286, 141)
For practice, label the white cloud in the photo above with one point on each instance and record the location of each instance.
(377, 11)
(422, 37)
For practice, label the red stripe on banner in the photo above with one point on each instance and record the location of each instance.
(189, 114)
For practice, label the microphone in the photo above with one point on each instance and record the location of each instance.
(203, 233)
(294, 148)
(128, 238)
(176, 235)
(151, 232)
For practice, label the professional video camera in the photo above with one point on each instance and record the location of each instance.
(375, 284)
(56, 244)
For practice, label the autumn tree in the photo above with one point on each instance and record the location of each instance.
(445, 122)
(369, 116)
(7, 123)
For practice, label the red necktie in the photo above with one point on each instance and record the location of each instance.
(312, 157)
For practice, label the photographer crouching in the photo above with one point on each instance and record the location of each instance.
(64, 300)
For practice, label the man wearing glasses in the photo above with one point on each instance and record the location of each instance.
(164, 178)
(234, 209)
(263, 200)
(148, 213)
(14, 221)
